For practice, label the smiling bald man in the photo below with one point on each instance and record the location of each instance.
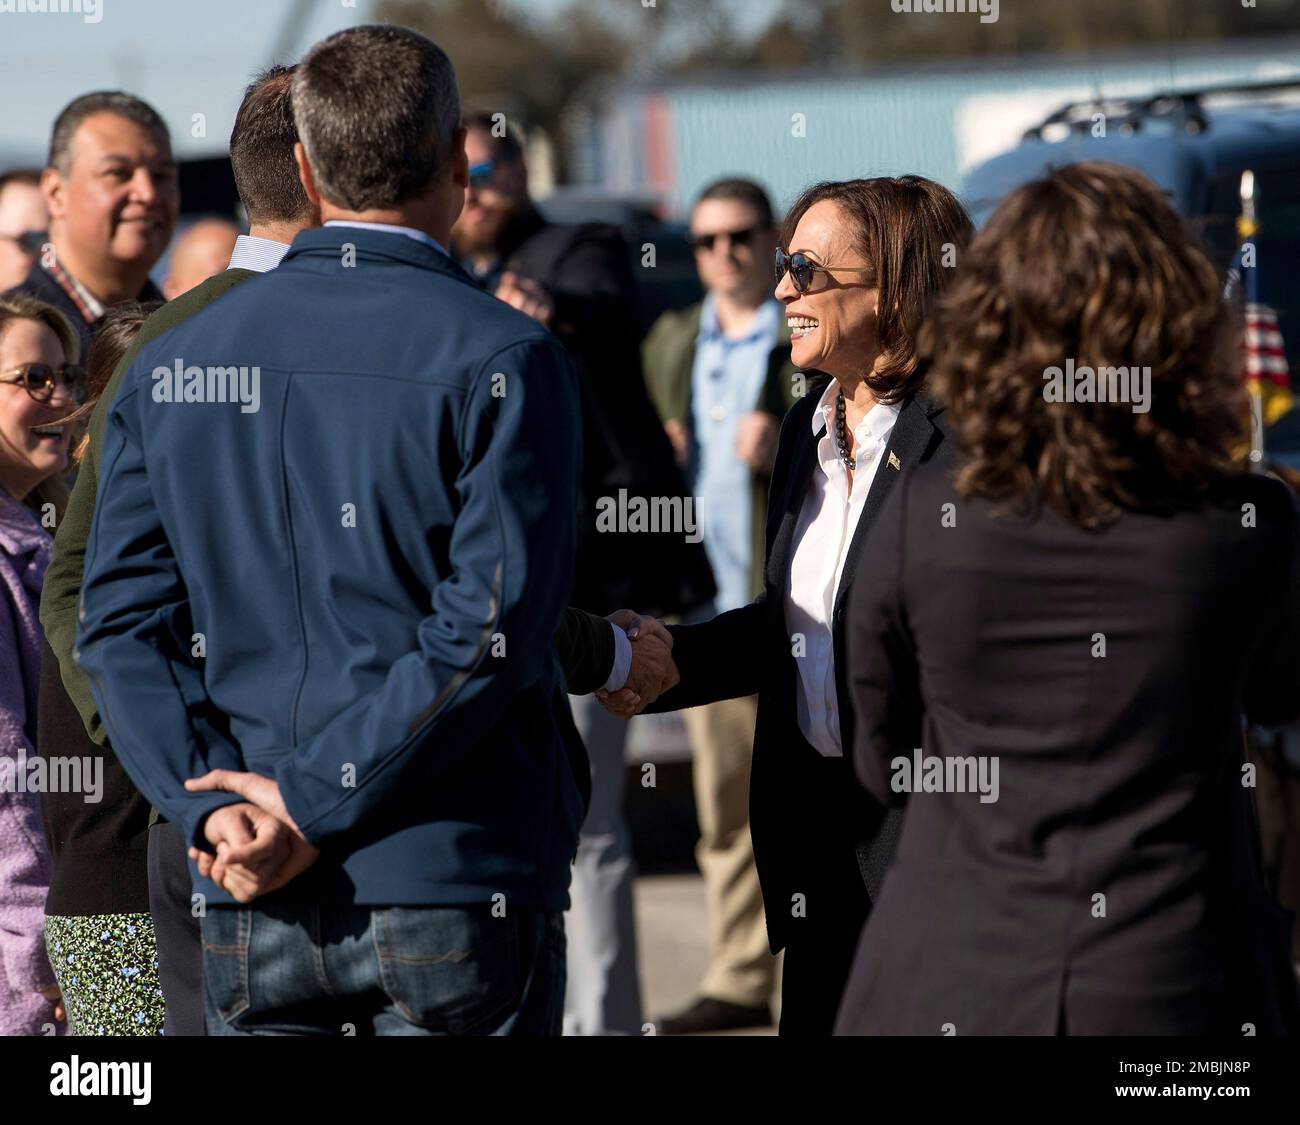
(203, 251)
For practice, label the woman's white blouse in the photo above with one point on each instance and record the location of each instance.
(827, 520)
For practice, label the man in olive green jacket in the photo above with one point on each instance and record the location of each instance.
(669, 356)
(721, 377)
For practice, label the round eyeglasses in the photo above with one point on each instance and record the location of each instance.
(40, 379)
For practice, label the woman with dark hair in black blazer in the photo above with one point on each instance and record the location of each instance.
(1085, 612)
(858, 265)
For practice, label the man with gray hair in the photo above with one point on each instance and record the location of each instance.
(376, 561)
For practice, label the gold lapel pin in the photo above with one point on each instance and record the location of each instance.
(894, 462)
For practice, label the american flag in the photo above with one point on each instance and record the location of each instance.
(1266, 360)
(1265, 364)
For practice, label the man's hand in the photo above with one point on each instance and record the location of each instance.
(264, 792)
(756, 435)
(250, 844)
(258, 846)
(527, 296)
(634, 624)
(301, 856)
(653, 671)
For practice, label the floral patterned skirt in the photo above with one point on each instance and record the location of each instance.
(107, 968)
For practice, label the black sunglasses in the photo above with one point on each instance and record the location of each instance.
(801, 269)
(39, 380)
(30, 240)
(735, 237)
(480, 174)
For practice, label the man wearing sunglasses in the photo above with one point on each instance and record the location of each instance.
(576, 279)
(22, 225)
(721, 375)
(111, 189)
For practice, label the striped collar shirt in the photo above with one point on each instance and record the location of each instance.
(260, 255)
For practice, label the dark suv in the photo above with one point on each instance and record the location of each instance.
(1195, 144)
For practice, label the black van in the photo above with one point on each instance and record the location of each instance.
(1195, 144)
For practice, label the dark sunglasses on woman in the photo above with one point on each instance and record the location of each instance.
(736, 237)
(801, 269)
(39, 379)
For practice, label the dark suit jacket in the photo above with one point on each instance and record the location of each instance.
(748, 650)
(41, 285)
(584, 268)
(1119, 770)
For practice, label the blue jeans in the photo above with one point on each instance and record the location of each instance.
(356, 970)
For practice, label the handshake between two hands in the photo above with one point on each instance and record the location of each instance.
(258, 846)
(653, 671)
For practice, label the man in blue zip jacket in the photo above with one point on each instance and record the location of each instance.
(333, 538)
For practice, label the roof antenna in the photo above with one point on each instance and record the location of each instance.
(1169, 23)
(1094, 72)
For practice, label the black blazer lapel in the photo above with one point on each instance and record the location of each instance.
(913, 439)
(909, 444)
(786, 507)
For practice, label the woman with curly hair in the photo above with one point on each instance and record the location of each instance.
(1084, 611)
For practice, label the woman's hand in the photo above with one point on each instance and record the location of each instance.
(55, 995)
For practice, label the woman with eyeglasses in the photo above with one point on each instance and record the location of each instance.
(39, 385)
(857, 268)
(99, 933)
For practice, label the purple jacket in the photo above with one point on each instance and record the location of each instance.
(25, 549)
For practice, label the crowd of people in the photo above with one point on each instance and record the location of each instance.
(301, 559)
